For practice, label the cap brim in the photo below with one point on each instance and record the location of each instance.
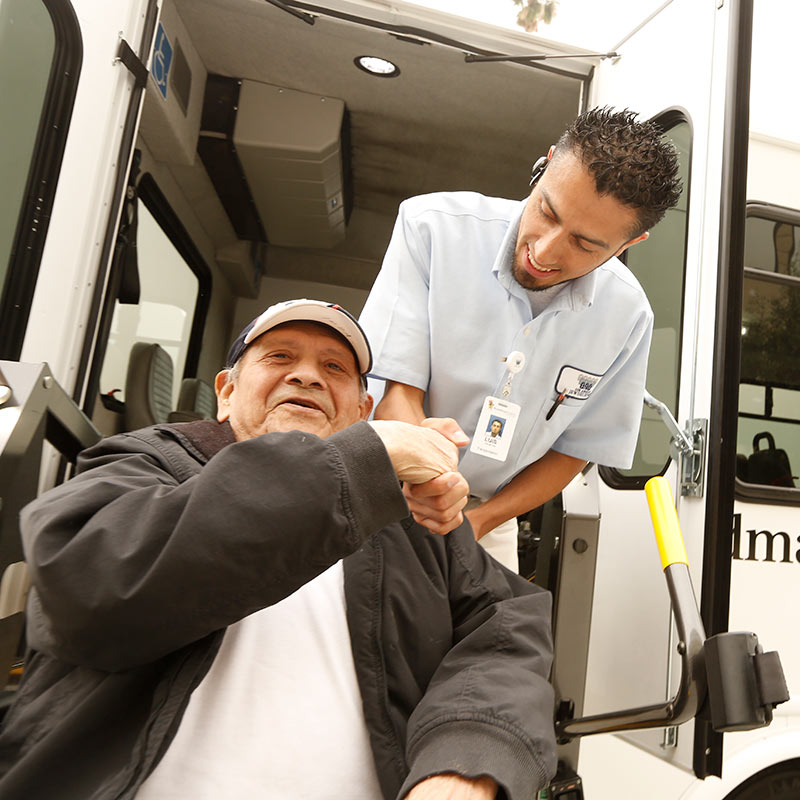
(316, 311)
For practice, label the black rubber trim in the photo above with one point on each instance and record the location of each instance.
(723, 422)
(104, 289)
(46, 159)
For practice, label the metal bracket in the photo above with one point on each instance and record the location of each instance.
(132, 62)
(692, 464)
(471, 58)
(687, 447)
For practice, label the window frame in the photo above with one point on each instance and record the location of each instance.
(757, 492)
(163, 213)
(149, 193)
(16, 293)
(666, 120)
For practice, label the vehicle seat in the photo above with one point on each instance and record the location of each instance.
(148, 386)
(769, 465)
(195, 401)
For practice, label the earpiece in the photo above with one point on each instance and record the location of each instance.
(537, 169)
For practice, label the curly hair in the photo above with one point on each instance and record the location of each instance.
(628, 160)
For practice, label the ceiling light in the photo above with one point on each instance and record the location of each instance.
(379, 67)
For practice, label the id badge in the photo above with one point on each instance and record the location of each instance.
(495, 429)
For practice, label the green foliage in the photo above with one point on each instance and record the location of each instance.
(532, 12)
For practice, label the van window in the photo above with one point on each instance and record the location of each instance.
(26, 37)
(164, 314)
(659, 264)
(40, 56)
(768, 438)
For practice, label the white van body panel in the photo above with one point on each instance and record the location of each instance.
(80, 216)
(626, 670)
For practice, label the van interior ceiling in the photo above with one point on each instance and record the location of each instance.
(328, 150)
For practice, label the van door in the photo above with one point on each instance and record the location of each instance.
(674, 68)
(61, 314)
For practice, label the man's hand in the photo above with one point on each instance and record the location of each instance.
(418, 454)
(425, 458)
(450, 786)
(449, 428)
(437, 504)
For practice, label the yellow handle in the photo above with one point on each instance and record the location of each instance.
(665, 522)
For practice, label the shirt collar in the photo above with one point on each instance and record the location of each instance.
(581, 290)
(505, 255)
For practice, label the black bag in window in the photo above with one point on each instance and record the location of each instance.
(769, 467)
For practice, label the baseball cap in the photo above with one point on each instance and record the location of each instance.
(303, 310)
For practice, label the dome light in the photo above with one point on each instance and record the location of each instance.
(379, 67)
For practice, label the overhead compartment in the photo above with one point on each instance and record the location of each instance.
(289, 144)
(278, 159)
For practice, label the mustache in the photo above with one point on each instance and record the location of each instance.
(302, 399)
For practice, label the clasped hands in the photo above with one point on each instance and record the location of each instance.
(425, 458)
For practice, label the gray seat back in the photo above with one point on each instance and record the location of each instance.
(195, 401)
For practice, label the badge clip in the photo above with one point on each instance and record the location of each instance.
(514, 362)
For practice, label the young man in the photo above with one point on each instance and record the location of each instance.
(486, 305)
(243, 608)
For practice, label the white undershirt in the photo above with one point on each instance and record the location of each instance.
(278, 716)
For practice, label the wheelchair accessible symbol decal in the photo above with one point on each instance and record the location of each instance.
(162, 60)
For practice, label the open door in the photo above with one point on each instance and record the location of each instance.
(679, 69)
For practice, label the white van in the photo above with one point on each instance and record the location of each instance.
(172, 167)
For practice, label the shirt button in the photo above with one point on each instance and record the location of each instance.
(526, 332)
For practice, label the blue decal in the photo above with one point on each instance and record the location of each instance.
(162, 60)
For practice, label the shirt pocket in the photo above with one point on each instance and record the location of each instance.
(545, 432)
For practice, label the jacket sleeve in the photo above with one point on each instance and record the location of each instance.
(129, 564)
(488, 710)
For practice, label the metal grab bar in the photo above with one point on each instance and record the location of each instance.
(692, 687)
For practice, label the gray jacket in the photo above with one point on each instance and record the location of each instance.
(168, 535)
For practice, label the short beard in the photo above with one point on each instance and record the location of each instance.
(524, 276)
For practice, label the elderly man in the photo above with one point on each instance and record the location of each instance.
(485, 304)
(244, 609)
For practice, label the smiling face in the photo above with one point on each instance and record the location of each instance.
(567, 229)
(298, 376)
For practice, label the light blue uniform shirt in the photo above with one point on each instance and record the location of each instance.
(445, 310)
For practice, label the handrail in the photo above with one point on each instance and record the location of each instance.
(692, 686)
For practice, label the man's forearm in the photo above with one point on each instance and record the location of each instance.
(401, 402)
(535, 485)
(449, 786)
